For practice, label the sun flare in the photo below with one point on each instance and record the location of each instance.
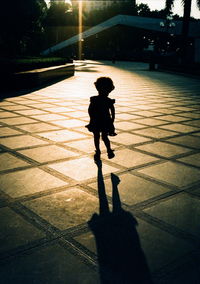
(80, 28)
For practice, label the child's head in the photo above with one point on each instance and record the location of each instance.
(104, 85)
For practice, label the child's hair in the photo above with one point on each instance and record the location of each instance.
(104, 84)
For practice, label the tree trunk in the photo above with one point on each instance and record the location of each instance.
(186, 18)
(185, 31)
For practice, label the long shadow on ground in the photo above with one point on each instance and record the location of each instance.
(120, 256)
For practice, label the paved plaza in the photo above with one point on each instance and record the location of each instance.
(49, 183)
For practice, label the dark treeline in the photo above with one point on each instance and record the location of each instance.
(29, 26)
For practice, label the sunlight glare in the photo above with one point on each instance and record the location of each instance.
(80, 28)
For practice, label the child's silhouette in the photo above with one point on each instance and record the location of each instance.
(102, 115)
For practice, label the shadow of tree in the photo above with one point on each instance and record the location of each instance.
(120, 256)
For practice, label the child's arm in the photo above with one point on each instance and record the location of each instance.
(91, 108)
(112, 109)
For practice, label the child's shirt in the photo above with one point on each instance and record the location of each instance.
(100, 107)
(100, 116)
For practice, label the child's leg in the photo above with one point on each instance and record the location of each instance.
(106, 141)
(96, 143)
(96, 140)
(107, 144)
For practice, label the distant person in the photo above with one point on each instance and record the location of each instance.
(102, 115)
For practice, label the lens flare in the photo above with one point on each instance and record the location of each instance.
(80, 28)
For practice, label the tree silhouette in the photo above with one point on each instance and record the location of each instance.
(186, 14)
(19, 20)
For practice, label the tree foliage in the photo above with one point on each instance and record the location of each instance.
(186, 13)
(57, 14)
(19, 20)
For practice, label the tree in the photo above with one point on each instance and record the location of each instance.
(57, 13)
(19, 20)
(186, 14)
(61, 22)
(143, 10)
(185, 58)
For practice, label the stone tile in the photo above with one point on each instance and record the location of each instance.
(195, 123)
(37, 127)
(65, 209)
(182, 108)
(181, 211)
(187, 273)
(61, 135)
(31, 112)
(160, 247)
(161, 104)
(146, 113)
(186, 140)
(49, 100)
(83, 129)
(41, 105)
(163, 149)
(28, 182)
(173, 173)
(144, 107)
(48, 117)
(47, 153)
(124, 108)
(150, 121)
(21, 141)
(179, 128)
(86, 168)
(133, 189)
(78, 114)
(82, 108)
(17, 120)
(154, 132)
(127, 125)
(21, 99)
(9, 161)
(15, 231)
(167, 111)
(6, 131)
(190, 114)
(6, 114)
(69, 123)
(191, 159)
(15, 107)
(129, 139)
(86, 145)
(87, 240)
(127, 116)
(172, 118)
(196, 191)
(24, 101)
(58, 109)
(52, 264)
(67, 108)
(6, 103)
(130, 158)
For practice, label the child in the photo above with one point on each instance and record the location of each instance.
(102, 115)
